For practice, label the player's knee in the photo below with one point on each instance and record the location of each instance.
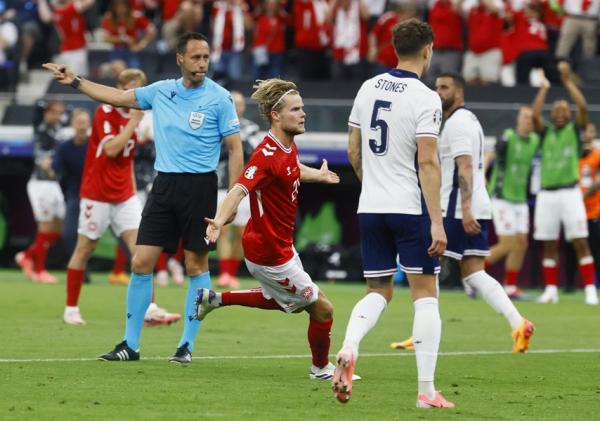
(521, 242)
(141, 264)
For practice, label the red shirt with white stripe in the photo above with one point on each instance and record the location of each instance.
(272, 178)
(107, 179)
(531, 33)
(310, 34)
(71, 27)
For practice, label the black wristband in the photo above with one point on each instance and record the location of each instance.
(76, 82)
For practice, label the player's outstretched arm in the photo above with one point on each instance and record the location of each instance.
(224, 213)
(96, 91)
(354, 151)
(538, 104)
(581, 118)
(321, 175)
(465, 184)
(430, 179)
(236, 157)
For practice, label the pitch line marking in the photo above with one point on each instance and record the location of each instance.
(299, 356)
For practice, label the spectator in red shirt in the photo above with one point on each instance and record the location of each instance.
(187, 17)
(483, 59)
(71, 26)
(445, 18)
(123, 27)
(350, 43)
(269, 41)
(381, 51)
(311, 38)
(229, 22)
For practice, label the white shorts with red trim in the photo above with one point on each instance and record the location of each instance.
(288, 284)
(95, 217)
(47, 200)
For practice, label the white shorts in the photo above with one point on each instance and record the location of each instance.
(485, 66)
(77, 60)
(95, 217)
(554, 207)
(47, 200)
(510, 218)
(288, 284)
(243, 210)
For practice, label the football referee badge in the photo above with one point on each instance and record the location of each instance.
(196, 119)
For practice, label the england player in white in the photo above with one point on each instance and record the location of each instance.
(466, 205)
(394, 126)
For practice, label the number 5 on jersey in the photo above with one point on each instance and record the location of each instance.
(379, 147)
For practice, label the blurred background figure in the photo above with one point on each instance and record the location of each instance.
(580, 22)
(350, 42)
(71, 27)
(229, 245)
(230, 22)
(186, 18)
(128, 31)
(311, 38)
(9, 35)
(269, 41)
(45, 195)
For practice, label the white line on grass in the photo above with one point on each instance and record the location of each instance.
(287, 357)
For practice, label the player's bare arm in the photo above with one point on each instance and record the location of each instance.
(321, 175)
(113, 147)
(538, 104)
(224, 213)
(581, 117)
(236, 157)
(430, 179)
(465, 184)
(354, 151)
(102, 93)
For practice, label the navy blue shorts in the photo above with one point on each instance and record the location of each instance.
(461, 244)
(383, 237)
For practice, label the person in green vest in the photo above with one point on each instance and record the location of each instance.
(560, 200)
(508, 186)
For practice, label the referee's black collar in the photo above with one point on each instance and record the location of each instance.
(403, 73)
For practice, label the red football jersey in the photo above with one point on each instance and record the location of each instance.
(71, 27)
(106, 179)
(272, 178)
(383, 32)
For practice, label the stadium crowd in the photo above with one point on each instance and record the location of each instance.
(489, 41)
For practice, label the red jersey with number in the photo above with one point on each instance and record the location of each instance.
(107, 179)
(272, 179)
(71, 27)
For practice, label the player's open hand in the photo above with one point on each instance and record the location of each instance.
(328, 177)
(470, 224)
(438, 240)
(213, 230)
(61, 72)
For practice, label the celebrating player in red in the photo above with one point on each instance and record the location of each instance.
(272, 179)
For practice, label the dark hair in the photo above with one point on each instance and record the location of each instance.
(183, 40)
(458, 80)
(410, 36)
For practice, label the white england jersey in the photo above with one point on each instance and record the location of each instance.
(392, 110)
(462, 135)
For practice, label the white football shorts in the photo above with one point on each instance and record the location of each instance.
(47, 200)
(95, 217)
(556, 207)
(510, 218)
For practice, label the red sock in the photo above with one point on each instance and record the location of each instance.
(120, 260)
(510, 278)
(319, 339)
(587, 269)
(249, 298)
(235, 266)
(161, 263)
(179, 253)
(550, 272)
(43, 240)
(74, 283)
(223, 266)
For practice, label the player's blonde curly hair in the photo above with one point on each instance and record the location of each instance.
(269, 95)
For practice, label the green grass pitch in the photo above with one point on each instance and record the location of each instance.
(252, 364)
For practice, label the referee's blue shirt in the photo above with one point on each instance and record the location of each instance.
(189, 124)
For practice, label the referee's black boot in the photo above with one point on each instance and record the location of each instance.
(122, 352)
(182, 355)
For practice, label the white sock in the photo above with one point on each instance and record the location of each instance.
(363, 318)
(72, 309)
(493, 294)
(427, 330)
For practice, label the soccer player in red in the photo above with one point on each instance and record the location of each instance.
(272, 178)
(108, 194)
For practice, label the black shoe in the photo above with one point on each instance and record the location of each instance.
(122, 352)
(182, 355)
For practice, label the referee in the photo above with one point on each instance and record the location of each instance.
(192, 116)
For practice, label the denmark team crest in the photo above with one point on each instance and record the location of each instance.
(196, 119)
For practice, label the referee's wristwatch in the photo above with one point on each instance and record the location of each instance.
(75, 82)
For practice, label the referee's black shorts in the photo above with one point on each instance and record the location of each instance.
(176, 208)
